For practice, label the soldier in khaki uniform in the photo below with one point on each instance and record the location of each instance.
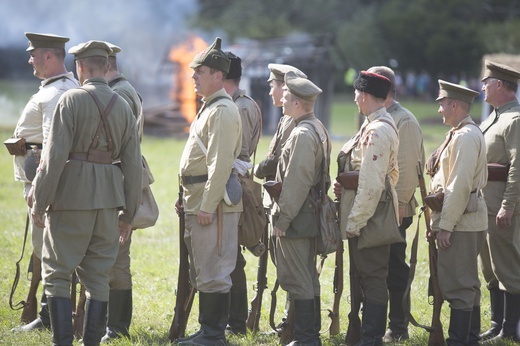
(458, 169)
(501, 257)
(47, 59)
(267, 168)
(120, 277)
(251, 118)
(82, 192)
(213, 145)
(300, 171)
(372, 152)
(411, 152)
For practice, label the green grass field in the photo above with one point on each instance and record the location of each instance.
(155, 250)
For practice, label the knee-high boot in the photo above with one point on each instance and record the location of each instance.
(474, 328)
(60, 311)
(511, 327)
(304, 323)
(458, 332)
(373, 324)
(119, 314)
(95, 321)
(496, 298)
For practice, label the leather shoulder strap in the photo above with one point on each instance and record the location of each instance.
(103, 123)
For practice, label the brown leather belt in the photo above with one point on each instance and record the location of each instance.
(497, 172)
(187, 180)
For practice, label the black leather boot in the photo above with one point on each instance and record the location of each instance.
(238, 312)
(317, 317)
(60, 311)
(511, 327)
(398, 318)
(458, 332)
(95, 321)
(213, 319)
(496, 298)
(474, 328)
(373, 324)
(119, 314)
(304, 323)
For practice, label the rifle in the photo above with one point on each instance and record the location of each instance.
(253, 318)
(337, 289)
(78, 313)
(354, 323)
(185, 292)
(436, 335)
(30, 306)
(285, 329)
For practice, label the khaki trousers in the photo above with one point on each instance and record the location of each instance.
(209, 272)
(296, 267)
(120, 276)
(83, 240)
(372, 267)
(457, 268)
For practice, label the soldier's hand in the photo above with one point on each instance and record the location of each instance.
(401, 215)
(338, 189)
(38, 219)
(204, 218)
(504, 217)
(179, 208)
(30, 197)
(125, 230)
(278, 232)
(443, 239)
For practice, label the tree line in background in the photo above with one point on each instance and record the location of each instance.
(442, 38)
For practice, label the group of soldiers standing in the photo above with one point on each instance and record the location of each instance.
(474, 178)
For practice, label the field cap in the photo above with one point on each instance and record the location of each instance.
(115, 49)
(373, 83)
(235, 68)
(456, 92)
(212, 57)
(301, 87)
(45, 41)
(278, 71)
(500, 71)
(91, 48)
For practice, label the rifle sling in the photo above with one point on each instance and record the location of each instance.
(411, 275)
(21, 304)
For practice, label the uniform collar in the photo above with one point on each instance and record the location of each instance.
(377, 114)
(53, 79)
(507, 106)
(305, 117)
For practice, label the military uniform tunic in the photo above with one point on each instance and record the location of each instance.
(82, 198)
(410, 153)
(374, 155)
(219, 128)
(299, 169)
(502, 133)
(34, 125)
(462, 170)
(251, 124)
(120, 276)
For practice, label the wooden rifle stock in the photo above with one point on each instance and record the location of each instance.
(30, 306)
(436, 336)
(354, 323)
(185, 292)
(253, 318)
(79, 309)
(285, 329)
(338, 286)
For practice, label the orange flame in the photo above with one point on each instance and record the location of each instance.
(183, 91)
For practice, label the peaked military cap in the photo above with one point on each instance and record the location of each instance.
(456, 92)
(235, 68)
(115, 49)
(45, 41)
(301, 87)
(278, 71)
(373, 83)
(500, 71)
(91, 48)
(212, 57)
